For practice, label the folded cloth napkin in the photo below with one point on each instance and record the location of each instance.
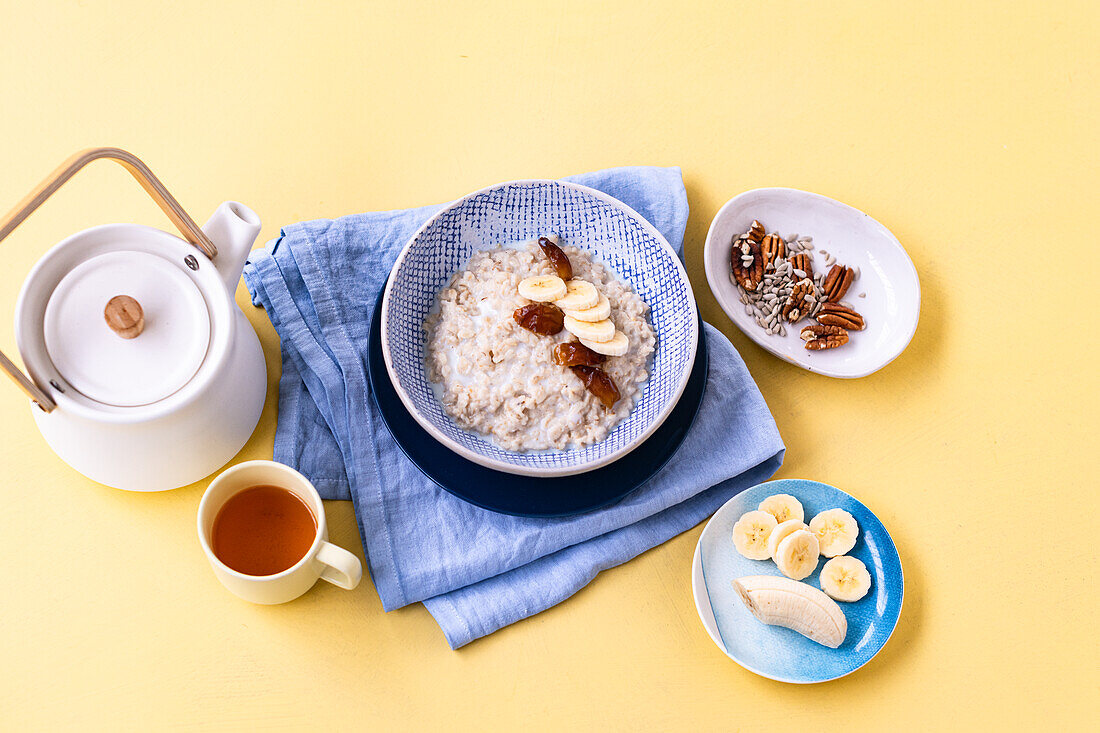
(476, 571)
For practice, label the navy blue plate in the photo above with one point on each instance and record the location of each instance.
(528, 496)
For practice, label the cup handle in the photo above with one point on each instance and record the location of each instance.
(342, 568)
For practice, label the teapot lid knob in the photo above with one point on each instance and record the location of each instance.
(124, 316)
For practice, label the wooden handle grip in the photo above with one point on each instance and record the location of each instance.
(152, 185)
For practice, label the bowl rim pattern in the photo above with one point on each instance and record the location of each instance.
(526, 470)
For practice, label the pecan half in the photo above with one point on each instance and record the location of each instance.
(796, 306)
(802, 261)
(835, 314)
(837, 282)
(819, 337)
(755, 232)
(772, 247)
(747, 263)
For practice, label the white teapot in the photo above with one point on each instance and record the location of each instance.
(145, 373)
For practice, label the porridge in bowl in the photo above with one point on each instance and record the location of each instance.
(538, 347)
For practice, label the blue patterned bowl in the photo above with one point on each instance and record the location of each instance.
(521, 210)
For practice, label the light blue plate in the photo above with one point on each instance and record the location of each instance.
(776, 652)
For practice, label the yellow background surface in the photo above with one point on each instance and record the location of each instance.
(968, 129)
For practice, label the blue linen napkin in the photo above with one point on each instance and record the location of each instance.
(476, 571)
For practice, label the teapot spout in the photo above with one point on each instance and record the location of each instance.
(233, 229)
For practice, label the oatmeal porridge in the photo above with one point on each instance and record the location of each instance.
(555, 370)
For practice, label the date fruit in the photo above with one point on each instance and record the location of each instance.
(574, 353)
(557, 258)
(545, 319)
(598, 383)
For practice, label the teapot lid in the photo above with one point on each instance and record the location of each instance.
(127, 328)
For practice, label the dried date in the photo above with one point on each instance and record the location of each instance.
(599, 383)
(557, 258)
(574, 353)
(544, 319)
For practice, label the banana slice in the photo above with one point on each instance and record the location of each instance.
(803, 608)
(784, 507)
(750, 534)
(598, 312)
(580, 294)
(845, 578)
(542, 288)
(600, 332)
(780, 533)
(797, 554)
(836, 531)
(617, 346)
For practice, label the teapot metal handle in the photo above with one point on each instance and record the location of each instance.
(152, 185)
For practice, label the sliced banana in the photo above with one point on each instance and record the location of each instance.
(780, 533)
(803, 608)
(784, 507)
(580, 294)
(542, 288)
(797, 555)
(750, 534)
(600, 332)
(598, 312)
(836, 531)
(617, 346)
(845, 578)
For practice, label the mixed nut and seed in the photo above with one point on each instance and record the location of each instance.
(779, 286)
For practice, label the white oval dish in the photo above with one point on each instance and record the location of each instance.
(890, 308)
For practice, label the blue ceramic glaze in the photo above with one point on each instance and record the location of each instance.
(585, 218)
(780, 653)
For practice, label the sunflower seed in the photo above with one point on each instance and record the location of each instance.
(863, 295)
(782, 330)
(855, 273)
(799, 273)
(748, 309)
(830, 261)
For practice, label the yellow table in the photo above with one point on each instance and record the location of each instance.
(969, 129)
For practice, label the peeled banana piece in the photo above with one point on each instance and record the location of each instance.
(783, 602)
(780, 533)
(845, 578)
(836, 531)
(578, 295)
(542, 288)
(599, 332)
(598, 312)
(750, 534)
(797, 555)
(617, 346)
(784, 507)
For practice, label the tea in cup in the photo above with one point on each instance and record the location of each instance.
(262, 527)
